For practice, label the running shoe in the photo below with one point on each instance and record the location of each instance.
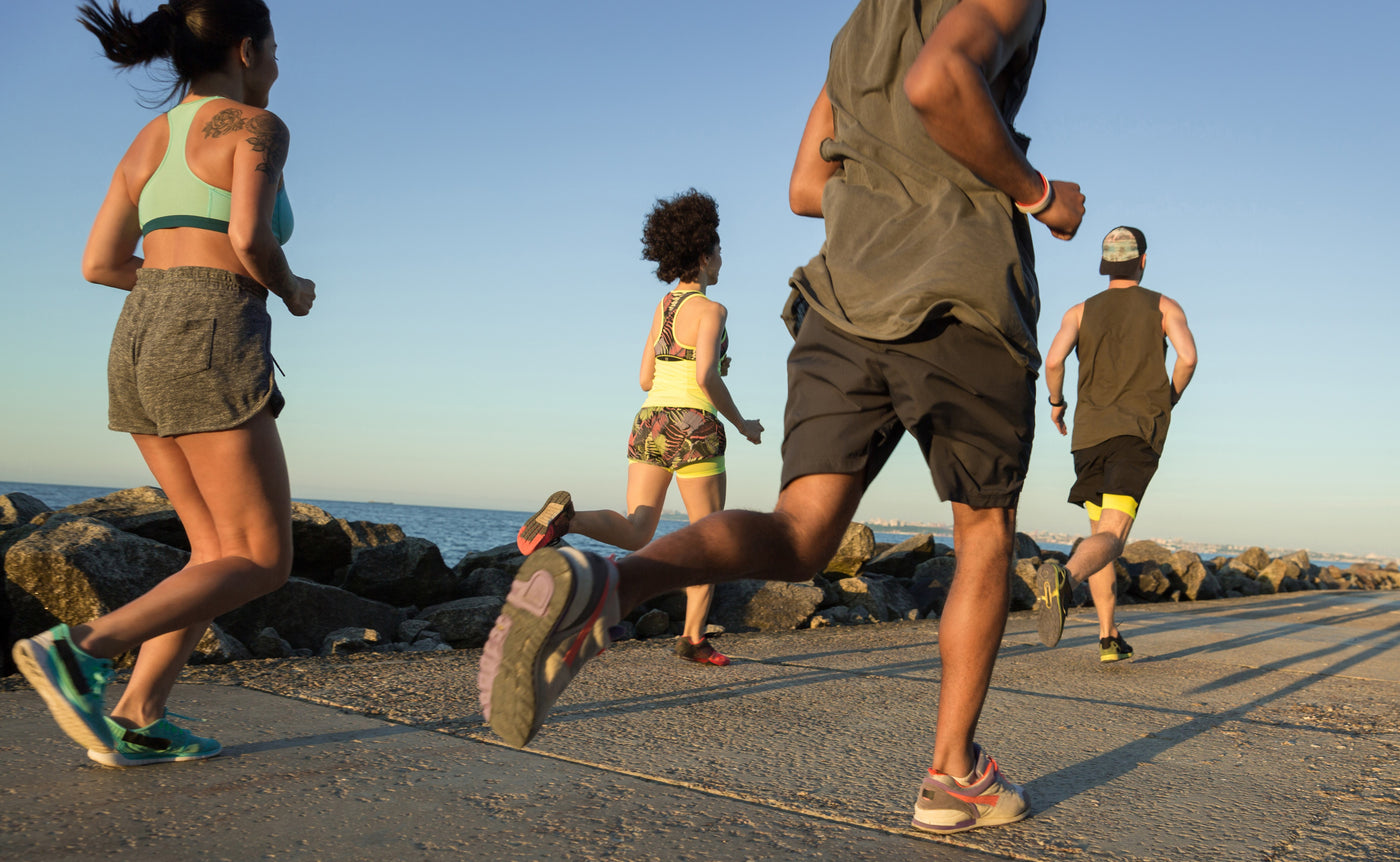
(1052, 598)
(158, 742)
(1114, 649)
(548, 525)
(556, 618)
(71, 682)
(946, 806)
(701, 653)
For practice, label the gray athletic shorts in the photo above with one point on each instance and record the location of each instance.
(191, 353)
(957, 390)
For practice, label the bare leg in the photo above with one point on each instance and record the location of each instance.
(703, 496)
(231, 492)
(646, 494)
(792, 543)
(1104, 582)
(970, 629)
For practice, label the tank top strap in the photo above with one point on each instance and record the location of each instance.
(666, 347)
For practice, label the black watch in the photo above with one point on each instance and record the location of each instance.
(1054, 403)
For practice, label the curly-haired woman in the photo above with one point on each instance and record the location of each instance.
(190, 373)
(677, 431)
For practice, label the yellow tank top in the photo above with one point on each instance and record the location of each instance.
(673, 382)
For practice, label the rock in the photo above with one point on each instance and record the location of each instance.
(1144, 552)
(902, 559)
(486, 581)
(349, 640)
(1282, 575)
(269, 644)
(653, 623)
(304, 612)
(366, 534)
(465, 623)
(930, 585)
(1198, 582)
(623, 631)
(1025, 547)
(1151, 583)
(217, 647)
(19, 508)
(1254, 558)
(321, 546)
(410, 629)
(144, 511)
(507, 558)
(1237, 583)
(72, 568)
(768, 606)
(881, 596)
(857, 547)
(408, 572)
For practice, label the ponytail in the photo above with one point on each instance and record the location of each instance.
(194, 36)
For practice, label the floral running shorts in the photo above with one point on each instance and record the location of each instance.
(684, 440)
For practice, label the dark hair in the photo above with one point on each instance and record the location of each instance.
(194, 35)
(679, 231)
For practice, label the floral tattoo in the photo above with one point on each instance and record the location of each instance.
(267, 135)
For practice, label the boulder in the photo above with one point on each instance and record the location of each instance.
(367, 534)
(305, 611)
(1145, 552)
(465, 623)
(407, 572)
(857, 547)
(19, 508)
(1255, 558)
(269, 644)
(653, 623)
(902, 559)
(767, 606)
(1198, 582)
(881, 596)
(321, 546)
(1025, 547)
(507, 558)
(486, 581)
(1282, 575)
(143, 511)
(351, 639)
(931, 582)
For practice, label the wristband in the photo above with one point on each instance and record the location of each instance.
(1041, 205)
(1060, 403)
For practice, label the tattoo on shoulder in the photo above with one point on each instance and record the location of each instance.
(227, 120)
(269, 137)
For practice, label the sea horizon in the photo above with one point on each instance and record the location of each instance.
(458, 531)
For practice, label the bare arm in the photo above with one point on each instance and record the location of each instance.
(951, 85)
(810, 171)
(1183, 342)
(1063, 343)
(258, 160)
(110, 254)
(707, 371)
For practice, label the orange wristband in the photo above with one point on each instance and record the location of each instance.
(1041, 205)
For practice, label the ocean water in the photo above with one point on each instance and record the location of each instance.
(456, 531)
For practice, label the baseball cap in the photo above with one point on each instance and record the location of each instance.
(1122, 248)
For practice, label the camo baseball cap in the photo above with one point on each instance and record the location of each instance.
(1122, 248)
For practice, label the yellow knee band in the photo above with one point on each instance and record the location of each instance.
(1121, 503)
(701, 469)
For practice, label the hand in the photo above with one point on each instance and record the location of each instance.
(724, 366)
(1057, 415)
(299, 301)
(1065, 212)
(752, 429)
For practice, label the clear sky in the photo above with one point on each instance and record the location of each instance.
(470, 178)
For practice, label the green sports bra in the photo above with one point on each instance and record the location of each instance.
(175, 197)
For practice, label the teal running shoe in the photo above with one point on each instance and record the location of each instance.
(158, 742)
(71, 682)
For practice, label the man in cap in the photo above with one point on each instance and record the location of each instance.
(1120, 424)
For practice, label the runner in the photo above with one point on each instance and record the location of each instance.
(1120, 424)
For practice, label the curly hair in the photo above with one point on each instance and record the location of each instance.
(678, 232)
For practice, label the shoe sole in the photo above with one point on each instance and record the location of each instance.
(35, 666)
(113, 758)
(534, 531)
(512, 663)
(975, 824)
(1051, 621)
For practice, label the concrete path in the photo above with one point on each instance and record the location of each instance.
(1248, 729)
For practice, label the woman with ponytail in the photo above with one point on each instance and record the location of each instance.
(190, 373)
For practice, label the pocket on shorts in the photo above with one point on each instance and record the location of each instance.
(187, 349)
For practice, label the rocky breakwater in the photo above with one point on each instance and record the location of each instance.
(360, 586)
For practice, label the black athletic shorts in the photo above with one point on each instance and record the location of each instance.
(1119, 465)
(959, 391)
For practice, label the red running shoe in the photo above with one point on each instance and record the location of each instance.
(701, 653)
(548, 525)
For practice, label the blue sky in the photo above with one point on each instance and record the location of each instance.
(470, 178)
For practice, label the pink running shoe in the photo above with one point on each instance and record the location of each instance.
(946, 806)
(556, 618)
(547, 525)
